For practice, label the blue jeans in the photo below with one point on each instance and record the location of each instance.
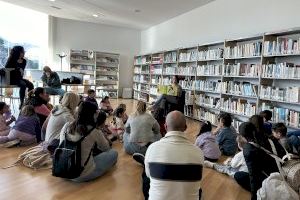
(104, 161)
(55, 91)
(131, 147)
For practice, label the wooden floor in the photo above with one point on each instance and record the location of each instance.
(122, 182)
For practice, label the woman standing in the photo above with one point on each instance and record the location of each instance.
(17, 62)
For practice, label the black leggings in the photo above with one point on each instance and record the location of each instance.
(23, 84)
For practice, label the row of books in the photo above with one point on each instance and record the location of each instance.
(281, 70)
(188, 110)
(170, 57)
(156, 69)
(244, 50)
(238, 106)
(282, 46)
(207, 101)
(213, 86)
(186, 71)
(158, 59)
(204, 114)
(236, 124)
(170, 70)
(188, 56)
(137, 70)
(209, 70)
(289, 94)
(156, 80)
(187, 84)
(210, 54)
(239, 69)
(239, 88)
(189, 98)
(153, 90)
(285, 115)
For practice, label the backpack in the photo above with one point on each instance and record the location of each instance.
(67, 158)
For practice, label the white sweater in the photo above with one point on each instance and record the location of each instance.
(238, 161)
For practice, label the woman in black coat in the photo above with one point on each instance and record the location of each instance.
(17, 62)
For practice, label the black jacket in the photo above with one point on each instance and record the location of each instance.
(53, 81)
(260, 164)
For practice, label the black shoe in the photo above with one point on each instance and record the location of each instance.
(140, 158)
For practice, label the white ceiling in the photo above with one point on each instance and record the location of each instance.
(114, 12)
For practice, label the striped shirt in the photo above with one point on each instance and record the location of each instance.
(174, 166)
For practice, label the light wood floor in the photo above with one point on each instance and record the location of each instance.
(122, 182)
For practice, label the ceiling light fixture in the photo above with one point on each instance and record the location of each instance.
(52, 0)
(95, 15)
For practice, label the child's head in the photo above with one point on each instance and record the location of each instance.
(225, 120)
(205, 127)
(101, 119)
(119, 112)
(27, 111)
(105, 99)
(241, 141)
(91, 93)
(279, 130)
(122, 105)
(266, 114)
(159, 114)
(4, 108)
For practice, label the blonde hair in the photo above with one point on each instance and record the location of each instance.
(47, 69)
(140, 108)
(241, 141)
(70, 101)
(27, 111)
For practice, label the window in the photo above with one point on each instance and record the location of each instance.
(25, 27)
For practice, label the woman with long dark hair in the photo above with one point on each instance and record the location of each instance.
(17, 62)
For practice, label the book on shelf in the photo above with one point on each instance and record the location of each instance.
(137, 60)
(236, 124)
(188, 56)
(238, 106)
(204, 114)
(156, 69)
(213, 86)
(288, 94)
(285, 115)
(211, 54)
(144, 78)
(170, 57)
(170, 69)
(281, 70)
(239, 69)
(189, 98)
(187, 84)
(203, 70)
(282, 46)
(239, 88)
(137, 70)
(188, 110)
(157, 59)
(189, 70)
(244, 50)
(207, 101)
(153, 90)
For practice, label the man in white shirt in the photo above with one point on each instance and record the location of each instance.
(174, 164)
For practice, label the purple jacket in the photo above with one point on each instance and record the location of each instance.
(207, 143)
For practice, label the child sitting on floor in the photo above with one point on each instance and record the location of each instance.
(117, 125)
(105, 105)
(267, 115)
(231, 166)
(206, 141)
(91, 97)
(125, 116)
(26, 128)
(279, 132)
(4, 122)
(159, 115)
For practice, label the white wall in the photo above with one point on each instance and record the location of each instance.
(219, 20)
(70, 34)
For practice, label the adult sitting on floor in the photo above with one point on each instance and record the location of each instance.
(173, 164)
(51, 82)
(141, 129)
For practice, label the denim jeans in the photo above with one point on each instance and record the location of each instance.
(131, 147)
(23, 84)
(55, 91)
(104, 161)
(163, 99)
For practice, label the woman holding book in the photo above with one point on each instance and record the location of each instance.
(174, 93)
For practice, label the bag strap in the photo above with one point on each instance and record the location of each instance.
(282, 173)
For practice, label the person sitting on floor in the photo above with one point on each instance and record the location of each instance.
(226, 136)
(173, 164)
(141, 130)
(206, 141)
(60, 115)
(26, 129)
(125, 116)
(4, 123)
(97, 157)
(233, 166)
(279, 131)
(267, 116)
(105, 105)
(91, 97)
(172, 97)
(51, 82)
(117, 126)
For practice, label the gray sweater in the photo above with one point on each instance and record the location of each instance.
(142, 128)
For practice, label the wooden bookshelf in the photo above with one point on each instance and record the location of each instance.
(100, 69)
(250, 64)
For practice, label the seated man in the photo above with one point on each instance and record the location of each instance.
(172, 97)
(173, 164)
(51, 82)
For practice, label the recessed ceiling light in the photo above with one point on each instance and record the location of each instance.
(52, 0)
(95, 15)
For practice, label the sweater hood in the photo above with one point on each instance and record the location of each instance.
(58, 110)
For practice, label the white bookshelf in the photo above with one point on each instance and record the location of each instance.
(100, 69)
(241, 76)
